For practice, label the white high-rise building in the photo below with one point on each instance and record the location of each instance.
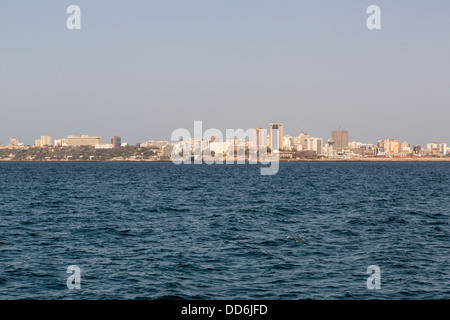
(260, 138)
(310, 143)
(46, 141)
(288, 143)
(437, 148)
(297, 143)
(304, 140)
(315, 144)
(276, 136)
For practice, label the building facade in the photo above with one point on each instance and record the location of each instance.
(276, 136)
(46, 141)
(13, 142)
(340, 138)
(437, 149)
(260, 138)
(84, 140)
(116, 141)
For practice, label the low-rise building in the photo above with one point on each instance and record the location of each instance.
(104, 146)
(74, 141)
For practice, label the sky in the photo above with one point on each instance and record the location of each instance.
(141, 69)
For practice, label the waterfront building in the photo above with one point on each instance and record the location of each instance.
(276, 136)
(84, 140)
(288, 143)
(260, 138)
(304, 142)
(297, 143)
(154, 143)
(417, 149)
(304, 137)
(340, 138)
(316, 144)
(330, 148)
(116, 141)
(14, 142)
(103, 146)
(46, 141)
(437, 149)
(58, 142)
(388, 147)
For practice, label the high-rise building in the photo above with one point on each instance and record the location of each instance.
(260, 138)
(317, 145)
(437, 148)
(116, 141)
(330, 148)
(276, 136)
(313, 144)
(297, 143)
(304, 138)
(288, 143)
(46, 141)
(340, 138)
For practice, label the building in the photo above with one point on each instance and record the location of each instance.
(46, 141)
(437, 149)
(58, 142)
(218, 146)
(276, 136)
(260, 138)
(406, 148)
(297, 144)
(104, 146)
(154, 143)
(311, 144)
(340, 138)
(116, 141)
(357, 149)
(84, 140)
(13, 142)
(167, 150)
(388, 147)
(288, 143)
(417, 149)
(316, 144)
(392, 147)
(304, 137)
(330, 148)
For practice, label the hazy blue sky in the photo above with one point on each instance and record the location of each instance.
(141, 69)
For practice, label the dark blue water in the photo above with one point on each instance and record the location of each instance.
(157, 230)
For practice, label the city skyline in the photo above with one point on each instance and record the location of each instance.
(146, 69)
(261, 137)
(33, 139)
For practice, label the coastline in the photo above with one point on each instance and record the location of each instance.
(281, 160)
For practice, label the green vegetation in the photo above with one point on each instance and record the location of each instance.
(83, 153)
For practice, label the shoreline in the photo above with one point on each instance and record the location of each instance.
(282, 160)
